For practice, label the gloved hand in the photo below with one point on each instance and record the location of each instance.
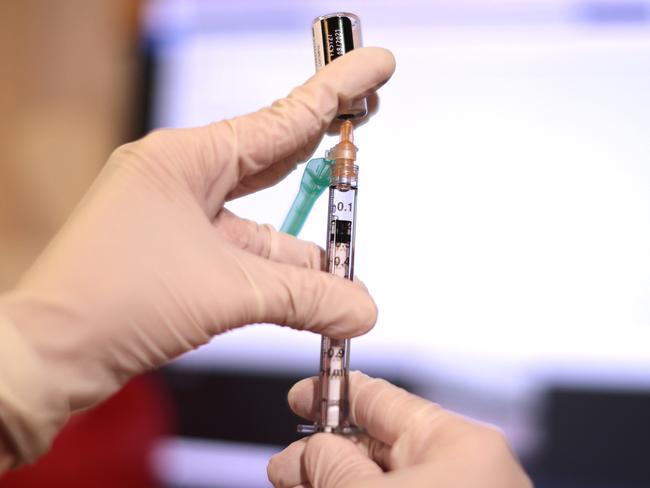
(410, 442)
(150, 264)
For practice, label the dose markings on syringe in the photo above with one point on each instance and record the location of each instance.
(334, 360)
(340, 233)
(342, 203)
(333, 372)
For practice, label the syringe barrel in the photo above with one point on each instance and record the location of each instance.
(333, 408)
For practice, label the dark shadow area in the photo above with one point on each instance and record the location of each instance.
(594, 438)
(234, 406)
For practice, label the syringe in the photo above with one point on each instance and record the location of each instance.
(334, 35)
(332, 409)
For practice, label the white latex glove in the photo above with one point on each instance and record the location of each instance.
(417, 443)
(150, 265)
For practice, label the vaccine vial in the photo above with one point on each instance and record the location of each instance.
(335, 35)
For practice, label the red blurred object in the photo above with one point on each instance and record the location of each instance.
(108, 446)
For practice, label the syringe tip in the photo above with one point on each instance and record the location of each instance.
(345, 149)
(346, 131)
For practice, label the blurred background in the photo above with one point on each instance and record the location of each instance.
(517, 290)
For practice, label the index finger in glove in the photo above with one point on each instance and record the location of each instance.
(263, 240)
(285, 469)
(289, 130)
(323, 461)
(276, 132)
(384, 410)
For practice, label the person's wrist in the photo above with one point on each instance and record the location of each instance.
(33, 404)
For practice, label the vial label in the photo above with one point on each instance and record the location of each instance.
(333, 37)
(319, 55)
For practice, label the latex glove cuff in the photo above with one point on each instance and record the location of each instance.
(32, 409)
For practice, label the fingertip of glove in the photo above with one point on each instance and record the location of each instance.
(359, 380)
(369, 67)
(378, 62)
(366, 312)
(359, 375)
(384, 58)
(342, 309)
(301, 390)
